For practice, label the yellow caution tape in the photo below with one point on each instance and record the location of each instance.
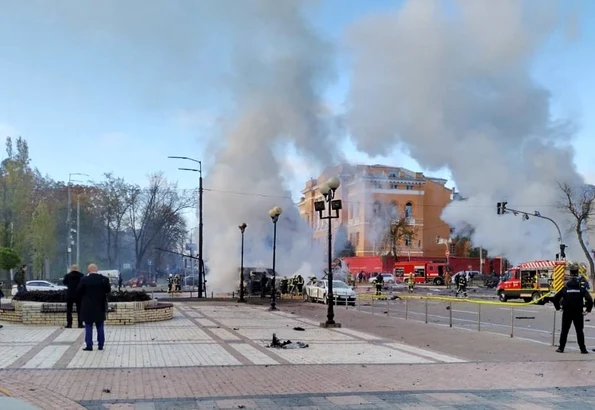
(454, 299)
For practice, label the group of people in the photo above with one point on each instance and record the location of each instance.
(174, 283)
(89, 294)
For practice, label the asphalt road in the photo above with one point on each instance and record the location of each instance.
(529, 322)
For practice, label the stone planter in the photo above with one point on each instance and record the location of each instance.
(54, 314)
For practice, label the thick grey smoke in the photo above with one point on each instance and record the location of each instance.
(283, 67)
(452, 83)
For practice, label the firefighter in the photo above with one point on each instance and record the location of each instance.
(177, 283)
(447, 279)
(284, 285)
(411, 282)
(170, 283)
(264, 281)
(573, 299)
(378, 282)
(299, 283)
(583, 283)
(462, 284)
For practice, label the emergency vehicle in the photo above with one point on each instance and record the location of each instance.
(424, 272)
(535, 281)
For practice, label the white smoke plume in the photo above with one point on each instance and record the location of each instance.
(452, 83)
(282, 69)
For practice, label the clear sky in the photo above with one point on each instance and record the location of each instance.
(82, 110)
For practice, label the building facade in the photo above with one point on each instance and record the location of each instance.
(385, 209)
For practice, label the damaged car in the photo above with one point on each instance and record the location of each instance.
(316, 290)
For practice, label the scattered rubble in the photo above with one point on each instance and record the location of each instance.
(288, 344)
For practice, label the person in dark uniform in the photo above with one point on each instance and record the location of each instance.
(573, 300)
(71, 281)
(379, 282)
(284, 285)
(264, 281)
(170, 283)
(93, 290)
(462, 284)
(299, 284)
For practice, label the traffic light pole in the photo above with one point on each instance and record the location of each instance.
(502, 209)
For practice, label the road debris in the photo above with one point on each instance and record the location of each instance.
(288, 344)
(299, 329)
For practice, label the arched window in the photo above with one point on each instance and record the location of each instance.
(409, 210)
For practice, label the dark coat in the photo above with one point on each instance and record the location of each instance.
(72, 280)
(93, 290)
(573, 298)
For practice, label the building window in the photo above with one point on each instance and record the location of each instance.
(409, 187)
(394, 209)
(377, 208)
(409, 210)
(408, 241)
(356, 241)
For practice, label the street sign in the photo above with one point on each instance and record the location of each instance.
(126, 266)
(149, 262)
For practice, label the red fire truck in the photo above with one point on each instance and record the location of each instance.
(535, 280)
(425, 272)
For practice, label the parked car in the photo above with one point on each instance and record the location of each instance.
(388, 278)
(469, 273)
(316, 290)
(39, 285)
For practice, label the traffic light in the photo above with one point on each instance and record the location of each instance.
(502, 208)
(562, 251)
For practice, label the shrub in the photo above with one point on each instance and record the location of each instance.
(59, 296)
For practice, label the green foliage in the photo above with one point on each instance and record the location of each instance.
(59, 296)
(43, 227)
(9, 259)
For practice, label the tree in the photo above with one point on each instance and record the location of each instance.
(113, 201)
(9, 259)
(43, 234)
(154, 212)
(399, 231)
(579, 203)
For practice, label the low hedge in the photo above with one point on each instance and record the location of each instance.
(59, 296)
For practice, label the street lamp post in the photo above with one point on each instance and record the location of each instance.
(70, 230)
(274, 214)
(242, 230)
(328, 190)
(201, 265)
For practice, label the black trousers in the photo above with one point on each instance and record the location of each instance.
(568, 318)
(69, 305)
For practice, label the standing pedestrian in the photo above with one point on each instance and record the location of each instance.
(20, 278)
(72, 280)
(93, 290)
(573, 300)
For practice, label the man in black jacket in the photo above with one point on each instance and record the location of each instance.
(573, 300)
(93, 290)
(72, 280)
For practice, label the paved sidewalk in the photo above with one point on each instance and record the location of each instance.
(214, 356)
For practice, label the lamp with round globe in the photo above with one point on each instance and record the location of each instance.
(242, 230)
(274, 213)
(328, 190)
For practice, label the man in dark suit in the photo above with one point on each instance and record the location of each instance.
(93, 290)
(72, 280)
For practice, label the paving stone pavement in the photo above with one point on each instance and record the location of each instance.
(578, 398)
(214, 357)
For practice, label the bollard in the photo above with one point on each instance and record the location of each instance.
(478, 317)
(372, 304)
(554, 331)
(212, 297)
(406, 308)
(512, 321)
(388, 306)
(426, 310)
(359, 304)
(233, 294)
(450, 314)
